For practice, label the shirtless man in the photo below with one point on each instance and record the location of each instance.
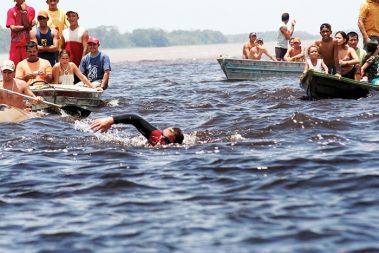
(328, 49)
(258, 50)
(296, 52)
(13, 84)
(248, 45)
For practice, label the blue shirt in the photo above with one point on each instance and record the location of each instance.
(94, 67)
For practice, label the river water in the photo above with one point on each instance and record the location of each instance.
(261, 170)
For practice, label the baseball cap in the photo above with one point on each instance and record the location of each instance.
(8, 65)
(43, 14)
(94, 40)
(68, 12)
(252, 34)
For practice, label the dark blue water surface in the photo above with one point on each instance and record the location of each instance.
(261, 170)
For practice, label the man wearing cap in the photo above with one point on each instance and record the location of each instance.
(57, 19)
(16, 85)
(368, 21)
(248, 45)
(46, 39)
(20, 19)
(258, 50)
(96, 65)
(33, 68)
(75, 38)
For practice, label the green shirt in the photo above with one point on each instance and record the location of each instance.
(361, 54)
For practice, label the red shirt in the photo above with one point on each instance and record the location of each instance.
(156, 137)
(14, 17)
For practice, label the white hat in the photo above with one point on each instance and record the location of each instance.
(8, 64)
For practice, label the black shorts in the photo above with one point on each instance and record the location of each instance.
(280, 53)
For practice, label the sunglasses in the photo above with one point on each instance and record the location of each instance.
(41, 18)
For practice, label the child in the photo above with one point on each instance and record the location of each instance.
(328, 49)
(314, 62)
(371, 65)
(296, 52)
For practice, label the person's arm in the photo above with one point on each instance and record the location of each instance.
(85, 43)
(336, 58)
(82, 77)
(299, 56)
(144, 127)
(27, 91)
(46, 74)
(265, 51)
(287, 55)
(326, 70)
(55, 73)
(362, 15)
(104, 81)
(55, 47)
(246, 51)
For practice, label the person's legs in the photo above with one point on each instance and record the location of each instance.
(280, 53)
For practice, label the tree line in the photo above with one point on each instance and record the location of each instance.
(111, 37)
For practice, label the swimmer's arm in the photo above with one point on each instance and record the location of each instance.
(138, 122)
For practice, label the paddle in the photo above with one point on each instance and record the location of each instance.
(69, 109)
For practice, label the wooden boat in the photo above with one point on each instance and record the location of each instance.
(240, 69)
(9, 114)
(319, 85)
(67, 95)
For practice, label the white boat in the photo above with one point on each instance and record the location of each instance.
(67, 95)
(241, 69)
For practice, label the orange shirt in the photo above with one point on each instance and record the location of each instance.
(25, 68)
(369, 13)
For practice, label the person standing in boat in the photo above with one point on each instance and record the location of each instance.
(151, 133)
(96, 65)
(20, 20)
(258, 50)
(347, 56)
(33, 68)
(57, 20)
(46, 39)
(284, 35)
(75, 39)
(328, 47)
(296, 52)
(248, 45)
(64, 71)
(9, 82)
(368, 21)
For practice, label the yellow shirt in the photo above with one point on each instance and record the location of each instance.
(25, 68)
(58, 20)
(369, 13)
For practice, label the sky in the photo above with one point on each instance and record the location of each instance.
(228, 17)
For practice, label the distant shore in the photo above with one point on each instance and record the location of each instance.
(192, 52)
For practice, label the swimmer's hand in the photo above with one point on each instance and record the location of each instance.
(102, 125)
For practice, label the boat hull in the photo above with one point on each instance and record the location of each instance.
(319, 86)
(9, 114)
(67, 95)
(240, 69)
